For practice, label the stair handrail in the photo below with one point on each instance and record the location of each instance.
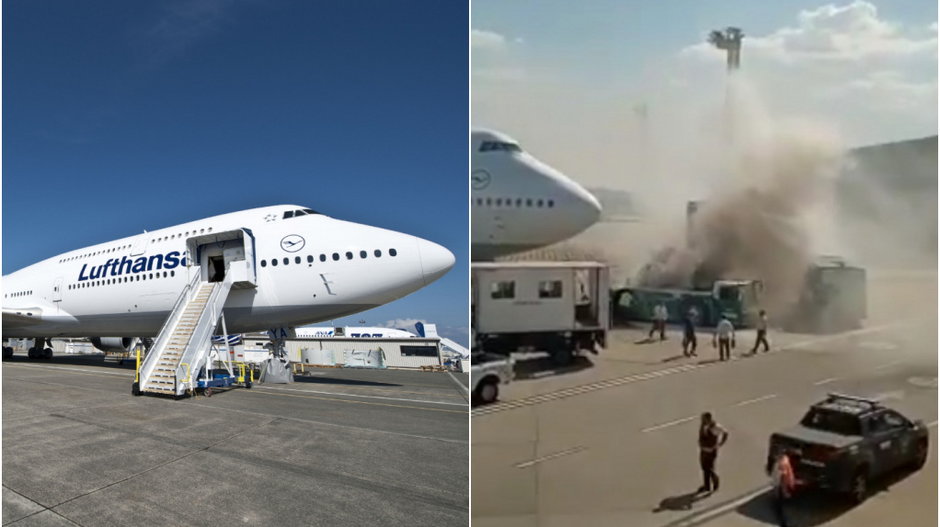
(156, 350)
(205, 325)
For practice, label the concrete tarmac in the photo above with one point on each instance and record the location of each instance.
(337, 447)
(612, 439)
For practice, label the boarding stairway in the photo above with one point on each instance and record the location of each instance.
(183, 346)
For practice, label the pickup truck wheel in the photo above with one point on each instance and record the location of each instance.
(488, 392)
(859, 490)
(562, 357)
(920, 456)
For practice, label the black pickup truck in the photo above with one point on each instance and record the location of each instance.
(844, 442)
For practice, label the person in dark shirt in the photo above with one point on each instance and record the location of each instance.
(711, 437)
(689, 342)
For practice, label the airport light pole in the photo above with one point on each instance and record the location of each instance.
(729, 41)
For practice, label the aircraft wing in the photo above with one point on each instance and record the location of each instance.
(20, 317)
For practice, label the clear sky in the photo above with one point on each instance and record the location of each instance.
(122, 116)
(565, 78)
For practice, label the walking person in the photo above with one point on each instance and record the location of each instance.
(784, 484)
(724, 338)
(711, 437)
(761, 332)
(660, 315)
(689, 342)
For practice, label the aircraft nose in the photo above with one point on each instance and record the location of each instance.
(589, 209)
(435, 260)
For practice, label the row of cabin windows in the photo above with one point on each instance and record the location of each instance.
(128, 246)
(18, 294)
(123, 279)
(180, 235)
(95, 253)
(517, 202)
(506, 290)
(336, 257)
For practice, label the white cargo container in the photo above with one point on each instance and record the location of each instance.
(558, 307)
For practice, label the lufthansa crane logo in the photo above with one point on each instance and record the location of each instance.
(480, 179)
(292, 243)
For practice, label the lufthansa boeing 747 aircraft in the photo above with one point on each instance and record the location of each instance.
(288, 266)
(518, 202)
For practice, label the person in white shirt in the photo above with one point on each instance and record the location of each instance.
(761, 332)
(660, 315)
(724, 338)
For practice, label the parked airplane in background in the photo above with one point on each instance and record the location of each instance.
(376, 333)
(519, 203)
(287, 266)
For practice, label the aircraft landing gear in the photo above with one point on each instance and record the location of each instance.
(39, 350)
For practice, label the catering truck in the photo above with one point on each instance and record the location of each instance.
(557, 307)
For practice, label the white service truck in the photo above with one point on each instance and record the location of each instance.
(487, 373)
(562, 308)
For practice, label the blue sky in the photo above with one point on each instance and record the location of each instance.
(122, 116)
(865, 68)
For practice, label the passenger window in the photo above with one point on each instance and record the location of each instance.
(377, 253)
(286, 261)
(322, 257)
(503, 290)
(499, 201)
(550, 289)
(349, 255)
(551, 203)
(309, 258)
(264, 263)
(489, 201)
(296, 259)
(528, 202)
(392, 252)
(893, 420)
(539, 203)
(172, 274)
(363, 254)
(274, 262)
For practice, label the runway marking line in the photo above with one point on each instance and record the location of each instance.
(360, 402)
(564, 393)
(464, 390)
(670, 423)
(756, 400)
(826, 381)
(341, 394)
(359, 395)
(718, 510)
(886, 365)
(549, 457)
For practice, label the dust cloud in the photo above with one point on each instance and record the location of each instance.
(775, 191)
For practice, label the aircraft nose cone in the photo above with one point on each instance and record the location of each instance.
(435, 260)
(588, 208)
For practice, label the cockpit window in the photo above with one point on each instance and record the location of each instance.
(492, 146)
(296, 213)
